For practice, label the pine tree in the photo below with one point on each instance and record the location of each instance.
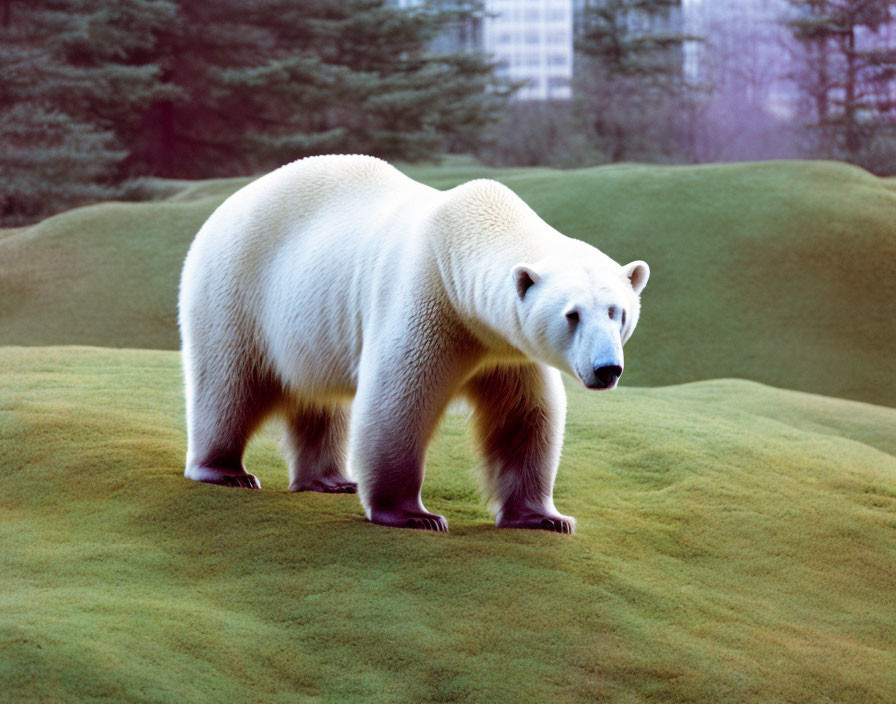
(65, 94)
(631, 77)
(257, 85)
(848, 76)
(96, 92)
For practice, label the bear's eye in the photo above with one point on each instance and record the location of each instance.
(573, 316)
(623, 318)
(611, 311)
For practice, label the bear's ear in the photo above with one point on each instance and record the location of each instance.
(524, 277)
(637, 272)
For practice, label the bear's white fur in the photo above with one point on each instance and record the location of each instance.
(337, 279)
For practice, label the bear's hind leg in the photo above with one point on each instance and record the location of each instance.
(519, 413)
(315, 443)
(220, 420)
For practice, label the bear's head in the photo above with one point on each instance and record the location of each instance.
(576, 315)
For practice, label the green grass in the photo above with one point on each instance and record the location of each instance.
(781, 272)
(736, 543)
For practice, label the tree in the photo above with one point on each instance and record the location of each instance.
(262, 84)
(742, 57)
(66, 93)
(632, 82)
(848, 73)
(97, 92)
(541, 133)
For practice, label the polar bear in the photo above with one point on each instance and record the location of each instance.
(338, 280)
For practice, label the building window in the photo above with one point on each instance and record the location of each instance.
(557, 15)
(558, 37)
(557, 59)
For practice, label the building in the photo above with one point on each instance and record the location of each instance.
(533, 42)
(530, 40)
(748, 35)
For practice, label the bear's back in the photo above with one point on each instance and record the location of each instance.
(318, 203)
(301, 188)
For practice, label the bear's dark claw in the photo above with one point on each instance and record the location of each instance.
(402, 519)
(556, 524)
(249, 481)
(222, 477)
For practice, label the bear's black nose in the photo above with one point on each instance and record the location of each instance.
(607, 376)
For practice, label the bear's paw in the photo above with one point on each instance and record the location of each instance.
(421, 520)
(325, 485)
(539, 521)
(222, 477)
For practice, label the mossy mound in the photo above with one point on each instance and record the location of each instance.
(736, 543)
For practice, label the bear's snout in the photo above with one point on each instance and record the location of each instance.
(605, 377)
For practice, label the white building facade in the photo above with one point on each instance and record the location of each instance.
(533, 42)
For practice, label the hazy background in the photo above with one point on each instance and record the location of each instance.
(98, 95)
(735, 498)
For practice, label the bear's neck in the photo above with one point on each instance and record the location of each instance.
(476, 272)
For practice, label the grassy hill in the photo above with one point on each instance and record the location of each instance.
(736, 543)
(781, 272)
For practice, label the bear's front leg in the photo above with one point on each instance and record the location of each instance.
(389, 461)
(387, 450)
(402, 391)
(519, 414)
